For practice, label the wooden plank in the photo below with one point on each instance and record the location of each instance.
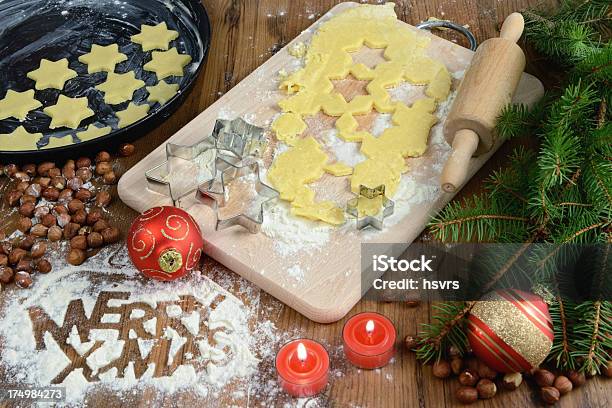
(332, 284)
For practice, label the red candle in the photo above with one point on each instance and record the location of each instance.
(303, 367)
(369, 340)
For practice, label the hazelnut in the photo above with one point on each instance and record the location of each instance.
(103, 198)
(24, 224)
(68, 172)
(58, 182)
(94, 215)
(54, 172)
(41, 211)
(109, 178)
(24, 265)
(3, 260)
(43, 266)
(74, 183)
(78, 242)
(563, 384)
(22, 185)
(410, 342)
(70, 230)
(84, 174)
(126, 149)
(103, 168)
(456, 365)
(39, 230)
(38, 249)
(544, 378)
(102, 157)
(83, 162)
(43, 168)
(486, 388)
(29, 169)
(48, 220)
(76, 256)
(33, 190)
(550, 395)
(83, 194)
(484, 371)
(101, 225)
(63, 219)
(26, 242)
(95, 240)
(110, 235)
(466, 395)
(441, 369)
(75, 205)
(60, 209)
(70, 164)
(6, 248)
(6, 274)
(468, 377)
(51, 194)
(512, 381)
(79, 217)
(607, 369)
(10, 170)
(453, 351)
(21, 176)
(26, 198)
(27, 209)
(65, 195)
(23, 279)
(13, 197)
(44, 182)
(54, 233)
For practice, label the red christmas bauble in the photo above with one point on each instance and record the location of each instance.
(510, 330)
(165, 243)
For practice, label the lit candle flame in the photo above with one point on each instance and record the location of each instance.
(370, 326)
(301, 352)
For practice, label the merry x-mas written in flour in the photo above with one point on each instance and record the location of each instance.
(311, 90)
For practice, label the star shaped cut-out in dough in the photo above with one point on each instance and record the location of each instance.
(167, 63)
(162, 92)
(59, 141)
(155, 37)
(102, 58)
(19, 140)
(132, 114)
(68, 112)
(119, 88)
(18, 104)
(52, 74)
(93, 132)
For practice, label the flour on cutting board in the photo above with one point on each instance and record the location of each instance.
(43, 324)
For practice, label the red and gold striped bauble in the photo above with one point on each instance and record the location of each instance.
(510, 330)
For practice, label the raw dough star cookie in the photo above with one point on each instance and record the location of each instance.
(102, 58)
(18, 104)
(52, 74)
(310, 90)
(93, 132)
(68, 112)
(162, 92)
(155, 37)
(19, 140)
(167, 63)
(132, 114)
(59, 141)
(119, 88)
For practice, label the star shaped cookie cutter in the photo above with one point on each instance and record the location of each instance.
(178, 159)
(239, 139)
(377, 220)
(215, 194)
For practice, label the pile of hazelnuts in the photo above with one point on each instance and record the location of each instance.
(478, 381)
(55, 204)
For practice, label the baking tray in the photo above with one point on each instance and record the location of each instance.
(31, 30)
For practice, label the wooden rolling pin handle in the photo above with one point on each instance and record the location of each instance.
(513, 27)
(454, 174)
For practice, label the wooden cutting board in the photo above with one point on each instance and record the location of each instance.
(331, 281)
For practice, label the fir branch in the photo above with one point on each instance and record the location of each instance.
(561, 349)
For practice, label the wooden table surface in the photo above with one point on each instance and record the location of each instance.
(247, 33)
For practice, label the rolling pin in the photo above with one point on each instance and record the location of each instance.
(488, 85)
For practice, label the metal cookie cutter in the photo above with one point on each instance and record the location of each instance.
(239, 139)
(427, 25)
(215, 194)
(376, 221)
(186, 166)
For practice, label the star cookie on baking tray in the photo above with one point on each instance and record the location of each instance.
(68, 112)
(185, 167)
(155, 37)
(19, 139)
(133, 113)
(167, 63)
(370, 207)
(18, 104)
(52, 74)
(237, 195)
(119, 88)
(102, 58)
